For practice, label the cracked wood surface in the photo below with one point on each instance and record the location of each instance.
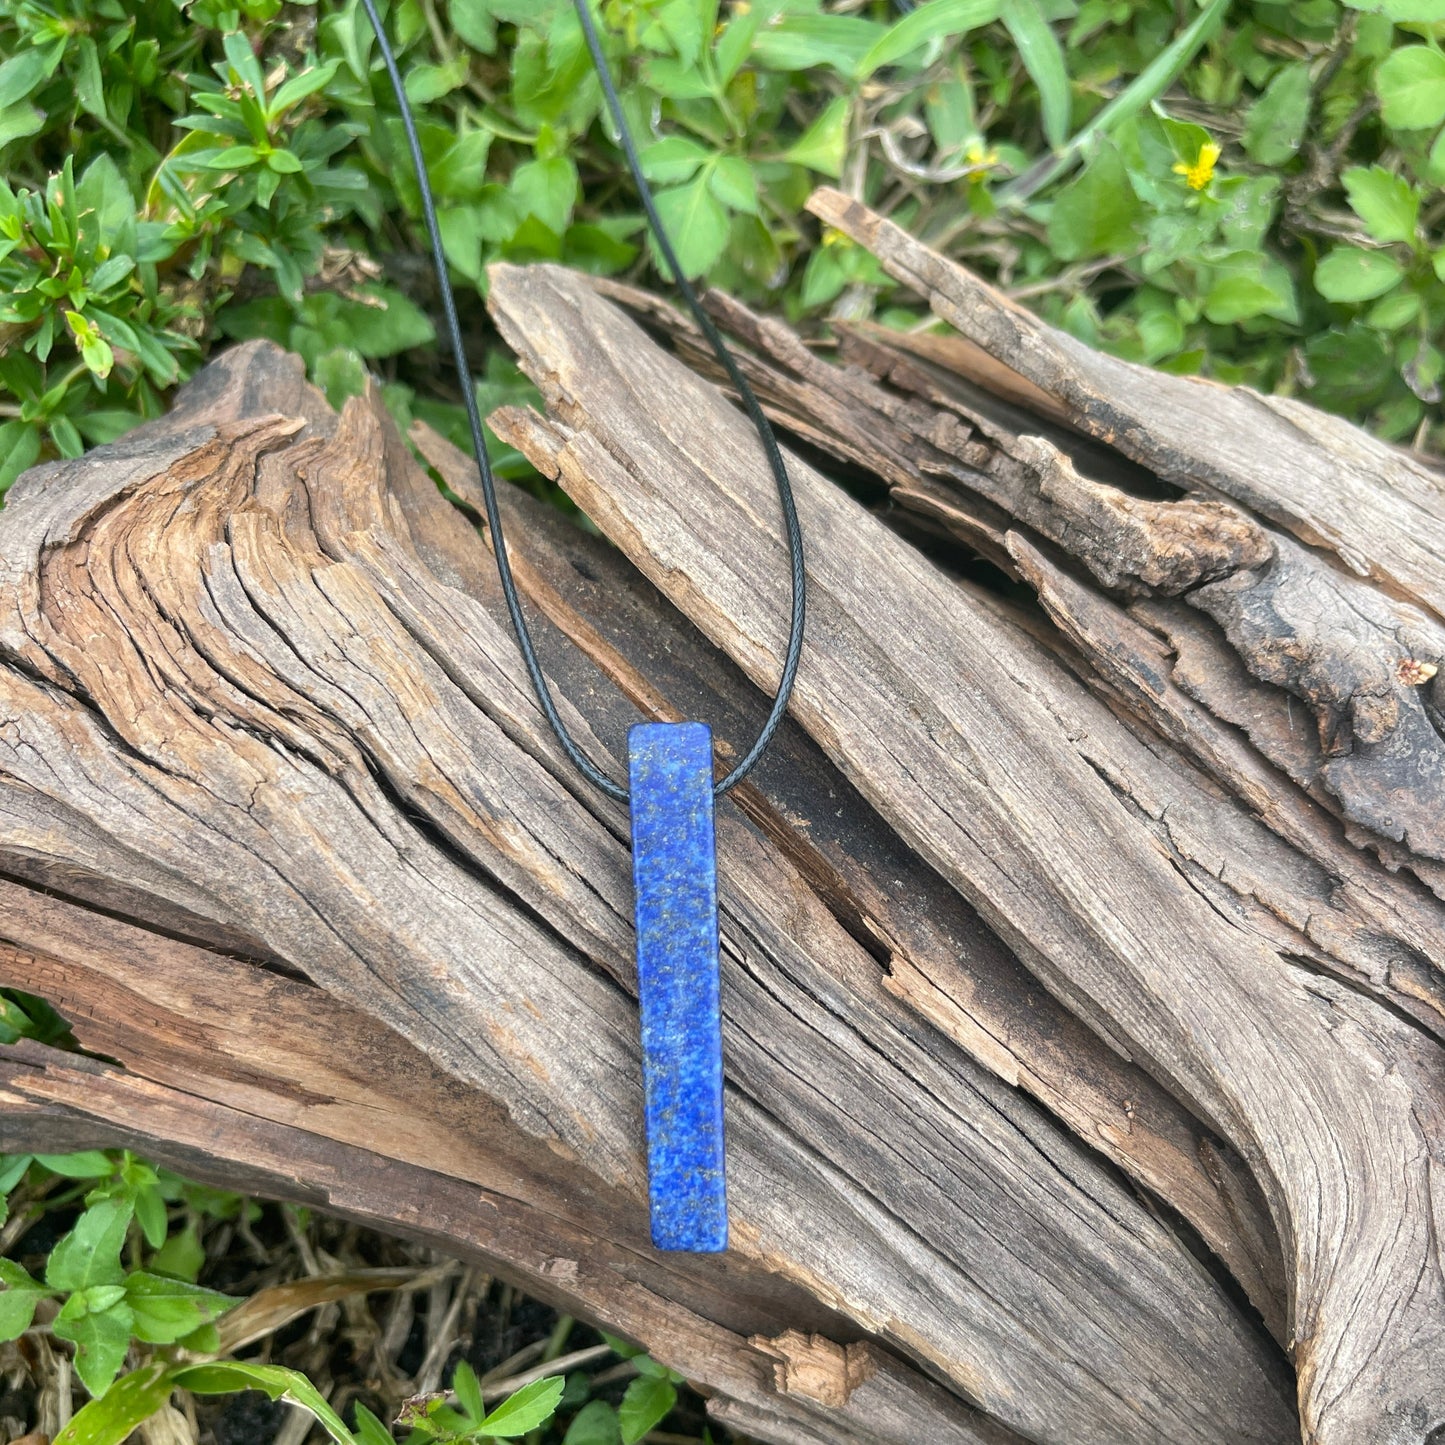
(1212, 920)
(256, 696)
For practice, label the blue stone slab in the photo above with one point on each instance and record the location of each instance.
(674, 867)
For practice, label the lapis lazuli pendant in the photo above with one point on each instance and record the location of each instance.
(674, 868)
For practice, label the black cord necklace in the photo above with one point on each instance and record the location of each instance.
(670, 785)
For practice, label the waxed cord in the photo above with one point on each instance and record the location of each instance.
(771, 450)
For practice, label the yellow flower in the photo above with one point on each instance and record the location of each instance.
(1201, 172)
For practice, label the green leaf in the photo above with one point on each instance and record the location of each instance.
(308, 82)
(932, 21)
(234, 158)
(23, 72)
(181, 1256)
(101, 1338)
(1395, 310)
(167, 1310)
(12, 1166)
(284, 162)
(672, 159)
(86, 1164)
(529, 1407)
(426, 83)
(90, 1254)
(802, 42)
(1095, 215)
(369, 1429)
(648, 1401)
(734, 184)
(89, 86)
(1274, 129)
(19, 450)
(1351, 274)
(696, 223)
(1043, 57)
(18, 1299)
(111, 1419)
(594, 1424)
(150, 1213)
(226, 1377)
(475, 24)
(547, 190)
(1411, 87)
(468, 1390)
(1388, 204)
(823, 147)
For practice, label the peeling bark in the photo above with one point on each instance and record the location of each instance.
(1083, 1023)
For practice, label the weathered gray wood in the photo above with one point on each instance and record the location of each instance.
(240, 694)
(1351, 653)
(1043, 810)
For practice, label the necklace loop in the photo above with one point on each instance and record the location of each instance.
(771, 450)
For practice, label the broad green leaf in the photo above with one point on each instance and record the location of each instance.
(696, 223)
(1351, 274)
(226, 1377)
(19, 450)
(89, 86)
(90, 1254)
(86, 1164)
(468, 1390)
(18, 1299)
(931, 21)
(426, 83)
(1411, 87)
(734, 184)
(1388, 204)
(823, 147)
(672, 159)
(12, 1166)
(803, 42)
(477, 26)
(23, 72)
(648, 1401)
(1095, 214)
(101, 1338)
(1274, 129)
(529, 1407)
(181, 1256)
(594, 1424)
(167, 1310)
(308, 82)
(1395, 310)
(369, 1429)
(461, 173)
(111, 1419)
(150, 1213)
(1043, 57)
(547, 190)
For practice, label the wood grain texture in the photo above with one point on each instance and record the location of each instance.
(1045, 811)
(1366, 509)
(250, 694)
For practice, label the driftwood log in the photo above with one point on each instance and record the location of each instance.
(1082, 931)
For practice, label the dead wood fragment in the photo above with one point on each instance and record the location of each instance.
(1044, 811)
(252, 695)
